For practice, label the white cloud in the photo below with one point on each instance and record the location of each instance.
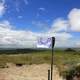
(20, 17)
(62, 38)
(2, 8)
(60, 25)
(10, 37)
(70, 24)
(59, 29)
(74, 19)
(41, 26)
(18, 4)
(77, 44)
(15, 38)
(42, 9)
(26, 2)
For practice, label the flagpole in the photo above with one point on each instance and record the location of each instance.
(53, 42)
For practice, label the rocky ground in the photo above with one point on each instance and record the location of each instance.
(28, 72)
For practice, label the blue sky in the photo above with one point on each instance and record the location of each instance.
(59, 18)
(22, 15)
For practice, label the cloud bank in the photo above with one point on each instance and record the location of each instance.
(12, 38)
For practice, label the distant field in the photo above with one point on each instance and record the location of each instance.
(63, 59)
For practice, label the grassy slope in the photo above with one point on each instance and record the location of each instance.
(34, 58)
(62, 59)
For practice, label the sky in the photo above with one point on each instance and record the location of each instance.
(22, 22)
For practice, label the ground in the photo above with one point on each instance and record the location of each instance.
(28, 72)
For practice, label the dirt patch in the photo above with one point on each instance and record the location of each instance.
(28, 72)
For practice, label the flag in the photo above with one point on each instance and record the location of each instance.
(44, 42)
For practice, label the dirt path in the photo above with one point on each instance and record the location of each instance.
(28, 72)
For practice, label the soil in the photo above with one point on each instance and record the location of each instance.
(28, 72)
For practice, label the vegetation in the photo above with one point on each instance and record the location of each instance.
(72, 73)
(24, 56)
(63, 59)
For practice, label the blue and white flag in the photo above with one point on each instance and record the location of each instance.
(44, 42)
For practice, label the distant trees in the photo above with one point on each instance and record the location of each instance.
(19, 51)
(70, 50)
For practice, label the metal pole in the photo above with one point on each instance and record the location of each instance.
(52, 65)
(48, 74)
(53, 42)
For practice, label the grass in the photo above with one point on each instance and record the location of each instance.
(34, 58)
(63, 59)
